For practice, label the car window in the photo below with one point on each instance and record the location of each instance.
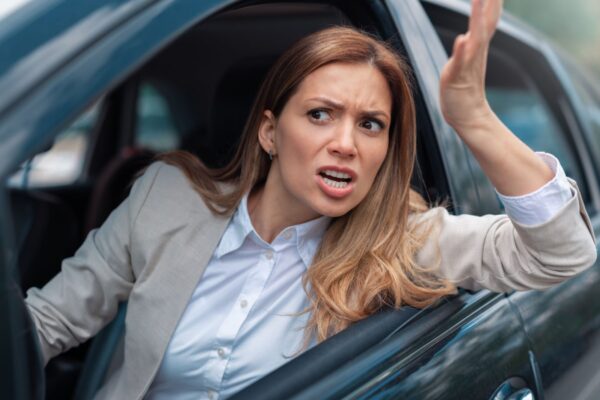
(524, 91)
(155, 129)
(588, 91)
(63, 163)
(518, 102)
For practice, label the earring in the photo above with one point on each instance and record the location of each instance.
(270, 154)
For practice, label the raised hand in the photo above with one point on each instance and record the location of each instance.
(512, 167)
(462, 83)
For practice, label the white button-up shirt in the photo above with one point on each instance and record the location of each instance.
(242, 321)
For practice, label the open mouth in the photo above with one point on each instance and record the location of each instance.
(336, 179)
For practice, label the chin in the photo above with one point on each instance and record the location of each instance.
(334, 213)
(334, 210)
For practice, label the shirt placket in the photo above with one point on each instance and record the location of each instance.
(234, 321)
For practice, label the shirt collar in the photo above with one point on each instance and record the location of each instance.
(307, 235)
(239, 227)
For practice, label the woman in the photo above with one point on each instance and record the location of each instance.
(314, 213)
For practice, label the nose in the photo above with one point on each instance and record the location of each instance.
(342, 143)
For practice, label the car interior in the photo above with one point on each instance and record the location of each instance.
(195, 95)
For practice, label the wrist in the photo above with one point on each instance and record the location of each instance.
(481, 119)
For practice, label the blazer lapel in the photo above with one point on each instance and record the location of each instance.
(156, 306)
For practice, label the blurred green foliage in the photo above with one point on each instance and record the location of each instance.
(573, 24)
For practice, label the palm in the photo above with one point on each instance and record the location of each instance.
(462, 83)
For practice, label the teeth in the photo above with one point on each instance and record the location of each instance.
(336, 174)
(335, 184)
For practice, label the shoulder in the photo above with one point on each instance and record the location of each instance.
(166, 187)
(164, 173)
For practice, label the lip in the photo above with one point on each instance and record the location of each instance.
(345, 170)
(337, 193)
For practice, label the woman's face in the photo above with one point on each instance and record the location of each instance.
(329, 140)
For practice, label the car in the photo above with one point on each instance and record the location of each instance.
(91, 91)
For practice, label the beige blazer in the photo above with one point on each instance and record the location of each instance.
(154, 247)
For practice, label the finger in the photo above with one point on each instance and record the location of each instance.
(477, 20)
(457, 59)
(492, 10)
(459, 47)
(484, 18)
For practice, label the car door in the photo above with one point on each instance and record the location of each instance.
(530, 91)
(469, 347)
(58, 58)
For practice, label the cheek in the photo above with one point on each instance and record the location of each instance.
(375, 155)
(296, 153)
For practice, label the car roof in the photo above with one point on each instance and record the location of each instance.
(38, 37)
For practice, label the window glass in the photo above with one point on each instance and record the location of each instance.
(513, 88)
(63, 163)
(589, 93)
(155, 129)
(516, 100)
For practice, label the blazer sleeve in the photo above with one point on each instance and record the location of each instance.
(85, 295)
(501, 255)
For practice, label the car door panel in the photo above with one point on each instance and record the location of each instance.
(563, 327)
(562, 323)
(440, 354)
(449, 365)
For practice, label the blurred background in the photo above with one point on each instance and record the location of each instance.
(574, 25)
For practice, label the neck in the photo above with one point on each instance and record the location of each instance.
(270, 214)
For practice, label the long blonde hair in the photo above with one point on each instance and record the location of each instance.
(366, 257)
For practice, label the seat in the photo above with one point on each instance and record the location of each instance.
(233, 100)
(47, 231)
(113, 185)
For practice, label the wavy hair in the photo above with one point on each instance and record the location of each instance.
(366, 259)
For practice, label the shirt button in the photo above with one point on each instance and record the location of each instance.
(243, 303)
(221, 352)
(212, 394)
(269, 254)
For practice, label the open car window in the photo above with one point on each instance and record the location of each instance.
(188, 103)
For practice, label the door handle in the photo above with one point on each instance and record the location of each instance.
(523, 394)
(513, 389)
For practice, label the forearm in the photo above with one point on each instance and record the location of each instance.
(512, 167)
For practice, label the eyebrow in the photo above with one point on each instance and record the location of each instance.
(339, 106)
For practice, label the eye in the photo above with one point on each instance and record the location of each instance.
(319, 115)
(372, 125)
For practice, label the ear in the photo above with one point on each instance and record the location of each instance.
(266, 132)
